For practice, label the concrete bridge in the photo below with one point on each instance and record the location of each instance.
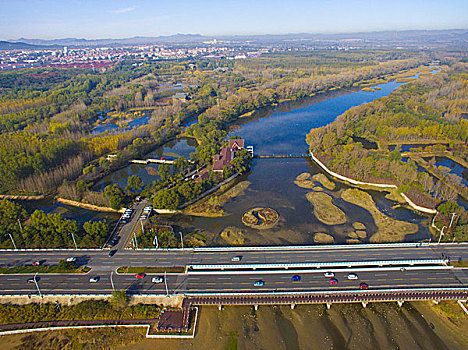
(151, 160)
(298, 155)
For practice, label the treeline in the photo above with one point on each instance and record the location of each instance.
(420, 110)
(42, 230)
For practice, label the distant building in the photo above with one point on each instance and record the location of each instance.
(181, 96)
(227, 154)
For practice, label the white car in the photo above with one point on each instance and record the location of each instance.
(93, 279)
(353, 276)
(329, 274)
(237, 258)
(158, 279)
(70, 259)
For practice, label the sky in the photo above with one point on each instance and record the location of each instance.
(93, 19)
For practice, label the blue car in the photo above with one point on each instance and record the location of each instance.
(296, 278)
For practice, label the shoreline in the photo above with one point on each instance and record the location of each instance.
(88, 206)
(380, 187)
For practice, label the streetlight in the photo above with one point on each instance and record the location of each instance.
(73, 236)
(451, 220)
(136, 244)
(112, 282)
(12, 240)
(441, 234)
(181, 239)
(142, 228)
(165, 282)
(155, 241)
(37, 286)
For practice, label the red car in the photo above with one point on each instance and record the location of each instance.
(140, 275)
(36, 263)
(333, 281)
(363, 285)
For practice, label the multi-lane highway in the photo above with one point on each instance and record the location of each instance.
(229, 275)
(99, 259)
(224, 281)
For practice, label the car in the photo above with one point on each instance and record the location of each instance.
(237, 258)
(259, 283)
(143, 217)
(140, 275)
(71, 259)
(353, 276)
(363, 285)
(158, 279)
(402, 269)
(94, 279)
(112, 252)
(333, 281)
(36, 263)
(30, 280)
(329, 274)
(296, 278)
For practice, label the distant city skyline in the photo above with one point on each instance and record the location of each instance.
(93, 19)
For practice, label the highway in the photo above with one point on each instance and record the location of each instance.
(274, 281)
(99, 259)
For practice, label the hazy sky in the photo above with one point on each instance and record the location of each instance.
(48, 19)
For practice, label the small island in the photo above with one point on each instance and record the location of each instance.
(261, 218)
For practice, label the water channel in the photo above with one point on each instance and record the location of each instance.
(276, 130)
(282, 130)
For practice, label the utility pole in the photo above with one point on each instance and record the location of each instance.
(136, 244)
(181, 239)
(155, 241)
(142, 228)
(165, 282)
(451, 220)
(441, 234)
(19, 223)
(112, 281)
(73, 236)
(37, 286)
(12, 241)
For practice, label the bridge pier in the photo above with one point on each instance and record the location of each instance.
(256, 307)
(293, 306)
(329, 304)
(400, 302)
(364, 304)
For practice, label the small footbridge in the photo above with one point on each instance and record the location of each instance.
(290, 155)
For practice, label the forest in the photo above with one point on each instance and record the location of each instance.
(47, 114)
(430, 109)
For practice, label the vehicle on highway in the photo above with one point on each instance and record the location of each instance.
(363, 285)
(112, 252)
(71, 259)
(333, 281)
(36, 263)
(237, 258)
(259, 283)
(158, 279)
(402, 269)
(329, 274)
(353, 276)
(296, 278)
(143, 217)
(93, 279)
(30, 280)
(140, 275)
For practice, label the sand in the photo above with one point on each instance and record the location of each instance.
(325, 210)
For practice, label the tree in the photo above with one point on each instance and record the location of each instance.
(163, 171)
(115, 195)
(134, 183)
(119, 299)
(96, 233)
(166, 199)
(241, 161)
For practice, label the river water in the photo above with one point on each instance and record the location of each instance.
(283, 130)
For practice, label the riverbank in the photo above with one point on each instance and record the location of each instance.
(368, 185)
(88, 206)
(21, 198)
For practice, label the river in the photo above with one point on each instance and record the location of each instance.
(283, 130)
